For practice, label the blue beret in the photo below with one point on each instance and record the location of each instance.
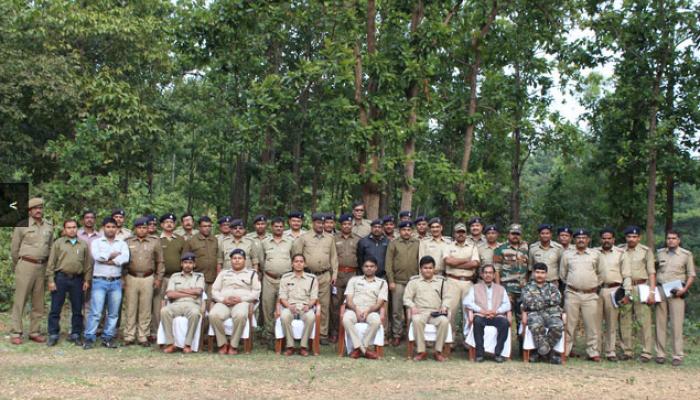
(633, 230)
(388, 218)
(203, 218)
(108, 220)
(236, 222)
(435, 220)
(187, 256)
(225, 220)
(168, 216)
(140, 221)
(564, 229)
(420, 218)
(296, 214)
(376, 222)
(330, 216)
(475, 220)
(317, 216)
(581, 232)
(151, 218)
(542, 227)
(345, 217)
(405, 213)
(260, 218)
(237, 251)
(607, 229)
(405, 224)
(490, 228)
(118, 211)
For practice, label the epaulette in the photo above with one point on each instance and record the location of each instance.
(287, 274)
(643, 247)
(554, 244)
(684, 251)
(414, 277)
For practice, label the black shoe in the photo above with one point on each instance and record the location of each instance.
(75, 339)
(534, 357)
(110, 344)
(479, 358)
(145, 344)
(324, 341)
(89, 344)
(53, 340)
(499, 359)
(555, 359)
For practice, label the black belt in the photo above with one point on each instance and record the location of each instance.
(70, 276)
(107, 278)
(318, 273)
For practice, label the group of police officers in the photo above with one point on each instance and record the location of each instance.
(368, 266)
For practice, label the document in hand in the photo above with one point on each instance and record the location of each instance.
(644, 293)
(668, 286)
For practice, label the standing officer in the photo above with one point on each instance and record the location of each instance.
(184, 292)
(224, 229)
(426, 297)
(237, 240)
(276, 261)
(375, 245)
(614, 273)
(298, 294)
(172, 246)
(486, 250)
(564, 238)
(30, 249)
(421, 224)
(580, 272)
(259, 229)
(640, 261)
(461, 260)
(205, 248)
(295, 219)
(119, 215)
(476, 229)
(329, 223)
(346, 248)
(88, 233)
(389, 224)
(401, 265)
(321, 259)
(186, 229)
(675, 264)
(144, 275)
(435, 246)
(547, 252)
(360, 226)
(152, 225)
(510, 260)
(69, 272)
(542, 306)
(235, 290)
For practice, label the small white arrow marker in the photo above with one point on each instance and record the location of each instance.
(13, 205)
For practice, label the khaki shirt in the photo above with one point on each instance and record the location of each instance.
(486, 253)
(277, 256)
(220, 238)
(435, 248)
(580, 269)
(401, 260)
(366, 293)
(205, 250)
(291, 234)
(675, 265)
(123, 234)
(33, 241)
(229, 243)
(640, 261)
(244, 284)
(461, 251)
(612, 269)
(426, 295)
(180, 281)
(146, 256)
(361, 229)
(477, 242)
(319, 251)
(172, 251)
(187, 236)
(69, 258)
(551, 255)
(299, 291)
(346, 248)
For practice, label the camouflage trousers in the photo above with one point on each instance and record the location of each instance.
(545, 328)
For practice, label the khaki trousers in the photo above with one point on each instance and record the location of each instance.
(309, 319)
(270, 293)
(676, 308)
(139, 302)
(582, 306)
(324, 298)
(337, 299)
(609, 314)
(457, 291)
(641, 312)
(420, 320)
(29, 283)
(373, 320)
(398, 313)
(186, 309)
(158, 296)
(239, 315)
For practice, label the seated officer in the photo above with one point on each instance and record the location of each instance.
(541, 303)
(184, 292)
(298, 294)
(234, 290)
(365, 296)
(426, 297)
(490, 304)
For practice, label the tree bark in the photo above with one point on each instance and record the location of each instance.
(515, 166)
(670, 186)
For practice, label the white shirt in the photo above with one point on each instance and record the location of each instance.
(471, 304)
(101, 248)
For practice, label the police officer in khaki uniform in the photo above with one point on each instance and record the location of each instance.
(206, 249)
(675, 264)
(365, 297)
(640, 259)
(426, 297)
(184, 293)
(298, 294)
(389, 225)
(547, 252)
(234, 291)
(123, 233)
(152, 225)
(277, 261)
(186, 229)
(295, 219)
(237, 240)
(360, 226)
(329, 223)
(144, 275)
(224, 229)
(401, 264)
(172, 246)
(486, 250)
(615, 275)
(321, 259)
(435, 246)
(476, 230)
(564, 236)
(421, 224)
(29, 250)
(461, 263)
(259, 234)
(580, 272)
(346, 248)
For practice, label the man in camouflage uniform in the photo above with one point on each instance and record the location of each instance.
(541, 302)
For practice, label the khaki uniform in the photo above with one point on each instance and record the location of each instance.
(673, 265)
(640, 262)
(145, 267)
(172, 250)
(122, 234)
(481, 241)
(614, 274)
(401, 264)
(486, 253)
(550, 255)
(30, 250)
(428, 296)
(244, 284)
(187, 307)
(229, 243)
(205, 250)
(435, 248)
(258, 243)
(346, 249)
(460, 279)
(322, 261)
(180, 231)
(361, 229)
(365, 294)
(294, 236)
(299, 291)
(580, 272)
(277, 261)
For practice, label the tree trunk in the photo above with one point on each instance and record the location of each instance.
(238, 183)
(515, 167)
(670, 184)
